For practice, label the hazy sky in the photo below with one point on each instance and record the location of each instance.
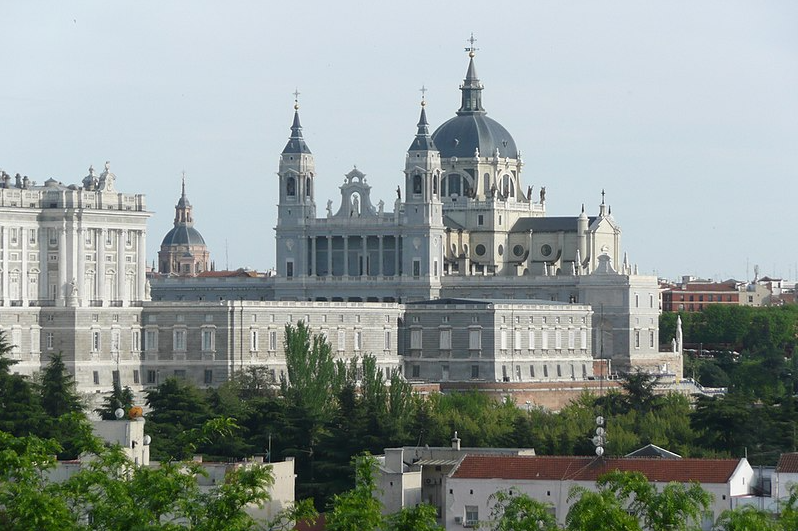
(685, 112)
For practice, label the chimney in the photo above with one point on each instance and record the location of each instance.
(455, 442)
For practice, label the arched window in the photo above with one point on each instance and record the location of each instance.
(485, 183)
(508, 188)
(435, 185)
(308, 186)
(416, 184)
(455, 185)
(290, 187)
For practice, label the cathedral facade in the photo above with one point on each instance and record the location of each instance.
(464, 224)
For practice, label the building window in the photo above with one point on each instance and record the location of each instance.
(475, 339)
(471, 515)
(503, 339)
(272, 340)
(358, 340)
(96, 376)
(179, 340)
(115, 377)
(387, 340)
(435, 268)
(571, 339)
(446, 340)
(544, 339)
(208, 339)
(50, 340)
(475, 371)
(651, 338)
(583, 339)
(559, 371)
(637, 338)
(134, 340)
(341, 340)
(531, 371)
(558, 339)
(480, 220)
(208, 376)
(253, 340)
(180, 374)
(115, 340)
(416, 268)
(290, 187)
(151, 377)
(151, 340)
(136, 377)
(637, 300)
(415, 371)
(531, 340)
(415, 339)
(545, 371)
(95, 341)
(289, 268)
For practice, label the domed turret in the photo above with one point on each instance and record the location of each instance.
(471, 131)
(183, 249)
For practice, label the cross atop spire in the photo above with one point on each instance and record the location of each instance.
(423, 90)
(602, 196)
(471, 49)
(296, 98)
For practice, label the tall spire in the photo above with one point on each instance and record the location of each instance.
(183, 207)
(296, 143)
(423, 140)
(471, 88)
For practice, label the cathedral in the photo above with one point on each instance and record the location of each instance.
(461, 277)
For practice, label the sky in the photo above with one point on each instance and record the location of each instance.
(685, 112)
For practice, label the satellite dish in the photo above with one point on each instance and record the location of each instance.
(119, 413)
(600, 431)
(599, 451)
(147, 440)
(599, 421)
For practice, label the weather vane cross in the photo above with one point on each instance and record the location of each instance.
(296, 94)
(423, 90)
(471, 49)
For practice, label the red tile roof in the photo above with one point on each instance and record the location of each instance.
(788, 463)
(590, 468)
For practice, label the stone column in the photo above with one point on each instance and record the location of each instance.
(346, 255)
(365, 259)
(121, 276)
(313, 257)
(381, 271)
(329, 255)
(100, 274)
(62, 266)
(4, 261)
(80, 248)
(23, 281)
(141, 268)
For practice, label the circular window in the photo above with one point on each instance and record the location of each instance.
(545, 250)
(480, 250)
(518, 250)
(501, 250)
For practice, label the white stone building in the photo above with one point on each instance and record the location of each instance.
(548, 479)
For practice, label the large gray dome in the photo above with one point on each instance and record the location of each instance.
(183, 235)
(471, 129)
(463, 134)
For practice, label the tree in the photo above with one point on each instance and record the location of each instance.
(59, 395)
(28, 502)
(519, 512)
(422, 517)
(747, 518)
(673, 508)
(120, 397)
(20, 406)
(177, 407)
(357, 509)
(597, 511)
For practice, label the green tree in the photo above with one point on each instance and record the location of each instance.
(357, 509)
(28, 502)
(20, 405)
(597, 511)
(177, 408)
(58, 392)
(120, 397)
(674, 508)
(519, 512)
(422, 517)
(747, 518)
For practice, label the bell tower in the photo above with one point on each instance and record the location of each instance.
(297, 204)
(422, 248)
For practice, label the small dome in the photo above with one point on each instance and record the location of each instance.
(183, 235)
(462, 135)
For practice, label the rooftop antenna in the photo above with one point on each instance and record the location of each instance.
(226, 261)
